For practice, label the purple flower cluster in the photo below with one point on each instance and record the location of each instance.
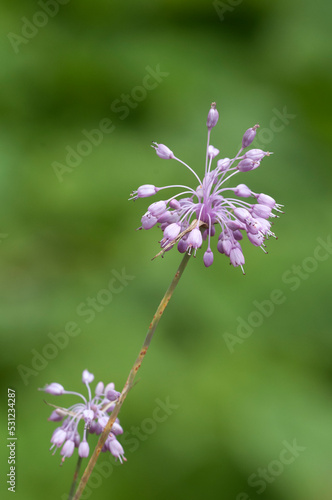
(191, 216)
(94, 412)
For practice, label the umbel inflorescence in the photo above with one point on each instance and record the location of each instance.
(94, 412)
(191, 216)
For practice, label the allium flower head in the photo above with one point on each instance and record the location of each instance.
(93, 412)
(196, 214)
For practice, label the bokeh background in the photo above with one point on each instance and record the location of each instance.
(64, 235)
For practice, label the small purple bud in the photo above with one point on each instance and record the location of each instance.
(182, 245)
(243, 191)
(227, 246)
(256, 154)
(99, 390)
(235, 224)
(68, 448)
(195, 239)
(237, 235)
(93, 427)
(87, 377)
(212, 152)
(246, 165)
(109, 387)
(55, 389)
(77, 439)
(211, 230)
(169, 217)
(236, 257)
(208, 258)
(242, 214)
(59, 437)
(264, 224)
(223, 165)
(249, 136)
(265, 199)
(148, 221)
(117, 429)
(55, 416)
(163, 151)
(252, 227)
(212, 117)
(102, 421)
(83, 449)
(172, 231)
(262, 211)
(110, 408)
(146, 190)
(174, 204)
(112, 395)
(157, 208)
(116, 449)
(256, 239)
(88, 415)
(220, 246)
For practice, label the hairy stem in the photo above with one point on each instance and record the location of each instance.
(132, 374)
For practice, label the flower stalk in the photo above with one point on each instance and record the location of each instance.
(131, 377)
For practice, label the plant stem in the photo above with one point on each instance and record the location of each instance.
(73, 485)
(132, 374)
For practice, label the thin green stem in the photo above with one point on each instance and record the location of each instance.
(73, 484)
(132, 374)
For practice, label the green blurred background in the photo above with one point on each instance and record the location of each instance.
(61, 242)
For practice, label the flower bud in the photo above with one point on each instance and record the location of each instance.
(163, 151)
(146, 190)
(246, 165)
(195, 239)
(249, 136)
(88, 415)
(212, 152)
(213, 116)
(99, 389)
(256, 239)
(262, 211)
(242, 190)
(83, 449)
(55, 416)
(256, 154)
(87, 377)
(265, 199)
(242, 214)
(112, 395)
(174, 204)
(222, 165)
(148, 221)
(236, 257)
(208, 258)
(68, 448)
(157, 208)
(172, 231)
(182, 245)
(55, 389)
(59, 437)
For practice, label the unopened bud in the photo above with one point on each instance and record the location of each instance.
(249, 136)
(213, 117)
